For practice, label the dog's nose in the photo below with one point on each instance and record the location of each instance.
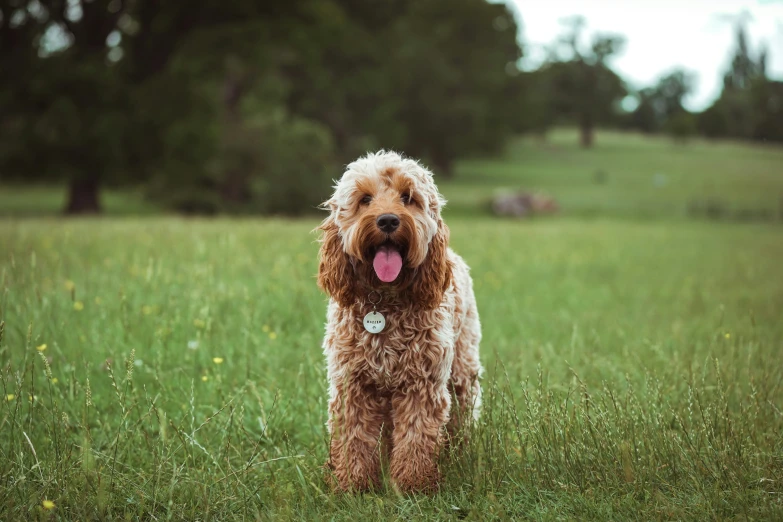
(388, 223)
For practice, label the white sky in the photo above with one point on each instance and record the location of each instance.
(661, 35)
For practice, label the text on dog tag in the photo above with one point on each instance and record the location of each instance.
(374, 322)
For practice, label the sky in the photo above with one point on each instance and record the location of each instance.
(697, 35)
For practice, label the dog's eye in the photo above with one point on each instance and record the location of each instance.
(406, 199)
(366, 200)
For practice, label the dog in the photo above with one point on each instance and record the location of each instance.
(402, 332)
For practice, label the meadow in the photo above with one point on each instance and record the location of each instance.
(160, 368)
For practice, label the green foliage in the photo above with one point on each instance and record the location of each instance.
(661, 108)
(681, 126)
(82, 134)
(530, 110)
(756, 113)
(714, 122)
(297, 168)
(421, 71)
(628, 373)
(744, 68)
(750, 104)
(645, 117)
(277, 165)
(767, 99)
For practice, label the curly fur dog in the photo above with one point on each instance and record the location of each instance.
(384, 242)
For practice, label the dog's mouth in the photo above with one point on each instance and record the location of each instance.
(387, 261)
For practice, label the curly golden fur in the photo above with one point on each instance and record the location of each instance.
(393, 390)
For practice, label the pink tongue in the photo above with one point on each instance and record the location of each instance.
(387, 264)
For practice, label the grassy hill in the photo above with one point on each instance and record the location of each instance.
(628, 175)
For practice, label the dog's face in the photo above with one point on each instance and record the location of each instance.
(385, 228)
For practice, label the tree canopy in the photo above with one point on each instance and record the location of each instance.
(578, 82)
(215, 105)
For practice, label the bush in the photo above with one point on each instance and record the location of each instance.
(294, 166)
(681, 126)
(272, 165)
(714, 122)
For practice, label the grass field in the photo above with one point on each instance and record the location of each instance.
(170, 369)
(628, 176)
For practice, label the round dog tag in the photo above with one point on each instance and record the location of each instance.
(374, 322)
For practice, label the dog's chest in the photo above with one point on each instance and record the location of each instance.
(407, 348)
(386, 354)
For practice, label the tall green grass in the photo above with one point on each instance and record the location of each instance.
(166, 369)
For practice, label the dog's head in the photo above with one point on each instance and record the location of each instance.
(385, 230)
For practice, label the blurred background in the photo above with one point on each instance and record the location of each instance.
(521, 108)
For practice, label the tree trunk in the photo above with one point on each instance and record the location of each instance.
(235, 183)
(83, 196)
(586, 132)
(444, 166)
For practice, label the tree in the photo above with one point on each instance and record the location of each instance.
(749, 105)
(98, 92)
(646, 116)
(660, 104)
(67, 93)
(530, 110)
(744, 69)
(671, 91)
(582, 85)
(767, 100)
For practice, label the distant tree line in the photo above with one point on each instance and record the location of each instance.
(575, 85)
(750, 105)
(245, 106)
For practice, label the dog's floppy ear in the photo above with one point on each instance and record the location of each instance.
(433, 276)
(335, 272)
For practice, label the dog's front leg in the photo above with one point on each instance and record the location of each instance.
(419, 412)
(356, 416)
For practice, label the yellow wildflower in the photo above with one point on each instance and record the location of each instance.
(273, 335)
(204, 378)
(217, 360)
(48, 504)
(70, 285)
(41, 347)
(55, 380)
(10, 397)
(78, 306)
(265, 328)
